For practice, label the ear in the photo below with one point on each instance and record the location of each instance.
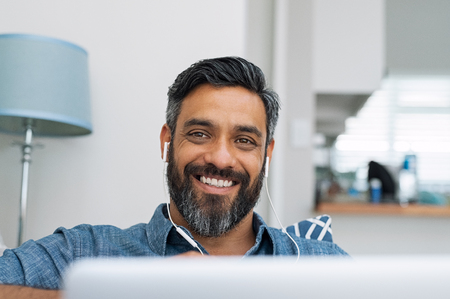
(165, 136)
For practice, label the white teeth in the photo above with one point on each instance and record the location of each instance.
(215, 182)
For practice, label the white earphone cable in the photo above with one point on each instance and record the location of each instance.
(279, 222)
(178, 229)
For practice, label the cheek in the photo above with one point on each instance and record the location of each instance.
(253, 166)
(185, 155)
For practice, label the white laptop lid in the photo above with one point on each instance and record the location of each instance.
(263, 278)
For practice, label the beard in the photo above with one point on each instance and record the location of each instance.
(211, 215)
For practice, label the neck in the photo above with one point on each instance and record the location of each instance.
(235, 242)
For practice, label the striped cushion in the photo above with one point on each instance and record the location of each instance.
(318, 228)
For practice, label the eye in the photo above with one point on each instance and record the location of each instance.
(245, 141)
(198, 135)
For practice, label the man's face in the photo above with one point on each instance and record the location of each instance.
(216, 157)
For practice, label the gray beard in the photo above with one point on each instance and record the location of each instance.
(211, 215)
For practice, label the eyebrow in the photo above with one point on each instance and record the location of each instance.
(249, 129)
(198, 122)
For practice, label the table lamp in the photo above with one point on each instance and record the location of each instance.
(44, 91)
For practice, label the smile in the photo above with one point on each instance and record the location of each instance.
(216, 182)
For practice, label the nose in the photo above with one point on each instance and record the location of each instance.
(221, 155)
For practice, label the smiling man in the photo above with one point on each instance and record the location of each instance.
(216, 160)
(220, 122)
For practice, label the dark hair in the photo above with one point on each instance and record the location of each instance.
(220, 72)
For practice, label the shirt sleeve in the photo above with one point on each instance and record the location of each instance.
(38, 264)
(42, 263)
(320, 248)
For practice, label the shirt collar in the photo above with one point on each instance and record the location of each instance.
(264, 243)
(159, 227)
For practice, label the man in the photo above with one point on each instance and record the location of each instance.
(220, 122)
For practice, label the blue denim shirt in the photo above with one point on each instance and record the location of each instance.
(41, 263)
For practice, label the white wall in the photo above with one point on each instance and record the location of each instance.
(418, 36)
(348, 46)
(136, 48)
(292, 175)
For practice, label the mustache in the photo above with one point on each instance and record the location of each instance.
(211, 169)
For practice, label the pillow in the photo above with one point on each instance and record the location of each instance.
(318, 228)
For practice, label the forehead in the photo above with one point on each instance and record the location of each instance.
(233, 106)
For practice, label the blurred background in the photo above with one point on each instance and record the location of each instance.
(362, 82)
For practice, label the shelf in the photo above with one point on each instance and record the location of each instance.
(383, 209)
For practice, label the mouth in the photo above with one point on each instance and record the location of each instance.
(216, 181)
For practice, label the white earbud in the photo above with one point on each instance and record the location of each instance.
(166, 147)
(266, 172)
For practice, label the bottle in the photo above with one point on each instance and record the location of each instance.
(407, 180)
(375, 190)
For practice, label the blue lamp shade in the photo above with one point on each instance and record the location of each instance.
(43, 81)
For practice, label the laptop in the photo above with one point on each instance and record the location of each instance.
(263, 278)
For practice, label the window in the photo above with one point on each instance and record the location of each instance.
(409, 114)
